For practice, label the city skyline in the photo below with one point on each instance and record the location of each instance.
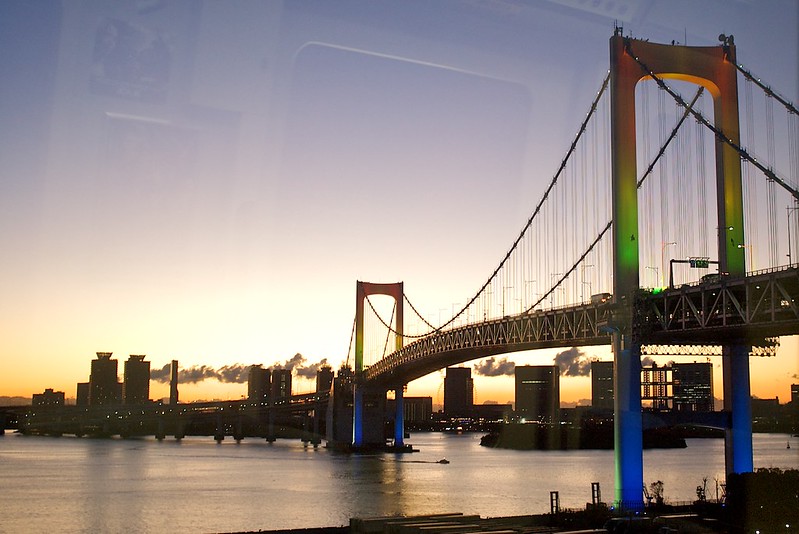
(222, 216)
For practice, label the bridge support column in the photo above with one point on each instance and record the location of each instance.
(357, 417)
(627, 422)
(399, 417)
(738, 405)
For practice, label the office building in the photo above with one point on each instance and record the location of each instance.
(324, 378)
(104, 386)
(657, 392)
(679, 387)
(259, 384)
(82, 394)
(602, 385)
(281, 386)
(693, 387)
(795, 394)
(538, 393)
(136, 382)
(418, 409)
(458, 392)
(48, 398)
(173, 384)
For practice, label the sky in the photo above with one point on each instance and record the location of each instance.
(207, 181)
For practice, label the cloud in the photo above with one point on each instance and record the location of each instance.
(573, 362)
(492, 367)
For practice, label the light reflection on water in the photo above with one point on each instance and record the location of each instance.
(80, 485)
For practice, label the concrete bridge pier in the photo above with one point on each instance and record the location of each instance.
(399, 417)
(368, 426)
(627, 422)
(219, 433)
(270, 426)
(738, 405)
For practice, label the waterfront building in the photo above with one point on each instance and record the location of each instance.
(418, 409)
(281, 386)
(657, 387)
(492, 412)
(458, 392)
(324, 378)
(693, 387)
(602, 385)
(259, 383)
(82, 394)
(48, 398)
(173, 384)
(136, 382)
(104, 386)
(538, 393)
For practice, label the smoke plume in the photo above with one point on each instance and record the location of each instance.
(492, 367)
(573, 362)
(234, 374)
(647, 361)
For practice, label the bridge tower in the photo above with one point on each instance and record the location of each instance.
(368, 404)
(712, 67)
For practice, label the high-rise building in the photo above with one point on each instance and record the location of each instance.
(259, 384)
(173, 384)
(693, 387)
(795, 394)
(48, 398)
(104, 387)
(281, 385)
(602, 385)
(657, 387)
(136, 382)
(82, 394)
(680, 387)
(458, 392)
(538, 392)
(324, 378)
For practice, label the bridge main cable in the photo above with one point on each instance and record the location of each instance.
(537, 210)
(646, 174)
(771, 175)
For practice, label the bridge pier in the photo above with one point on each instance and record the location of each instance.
(738, 405)
(399, 417)
(627, 422)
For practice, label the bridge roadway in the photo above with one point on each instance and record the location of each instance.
(302, 417)
(728, 309)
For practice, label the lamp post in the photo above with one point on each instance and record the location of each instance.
(656, 273)
(503, 298)
(582, 295)
(663, 246)
(788, 210)
(553, 276)
(525, 289)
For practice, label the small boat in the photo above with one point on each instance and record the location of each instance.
(443, 461)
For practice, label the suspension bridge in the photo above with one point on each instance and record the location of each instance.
(662, 231)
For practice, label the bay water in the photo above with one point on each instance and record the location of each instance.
(72, 484)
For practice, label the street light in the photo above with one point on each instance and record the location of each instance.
(663, 246)
(553, 276)
(656, 272)
(788, 210)
(582, 295)
(505, 288)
